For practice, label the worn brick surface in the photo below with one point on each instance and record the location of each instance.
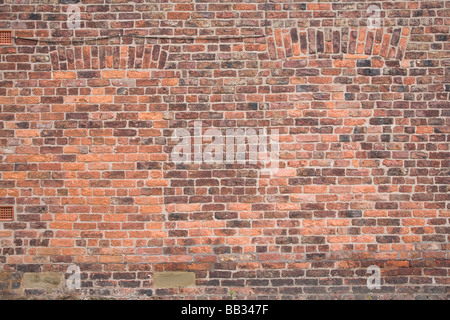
(364, 128)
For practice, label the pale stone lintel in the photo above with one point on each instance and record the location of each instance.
(43, 280)
(173, 279)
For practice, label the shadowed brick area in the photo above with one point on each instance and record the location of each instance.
(362, 120)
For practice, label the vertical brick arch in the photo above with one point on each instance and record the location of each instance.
(351, 43)
(98, 57)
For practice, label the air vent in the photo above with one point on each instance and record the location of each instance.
(6, 213)
(6, 37)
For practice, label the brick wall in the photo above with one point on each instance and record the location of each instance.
(362, 115)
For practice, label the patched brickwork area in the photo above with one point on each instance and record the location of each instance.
(225, 149)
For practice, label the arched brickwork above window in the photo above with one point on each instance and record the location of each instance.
(281, 44)
(349, 43)
(93, 57)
